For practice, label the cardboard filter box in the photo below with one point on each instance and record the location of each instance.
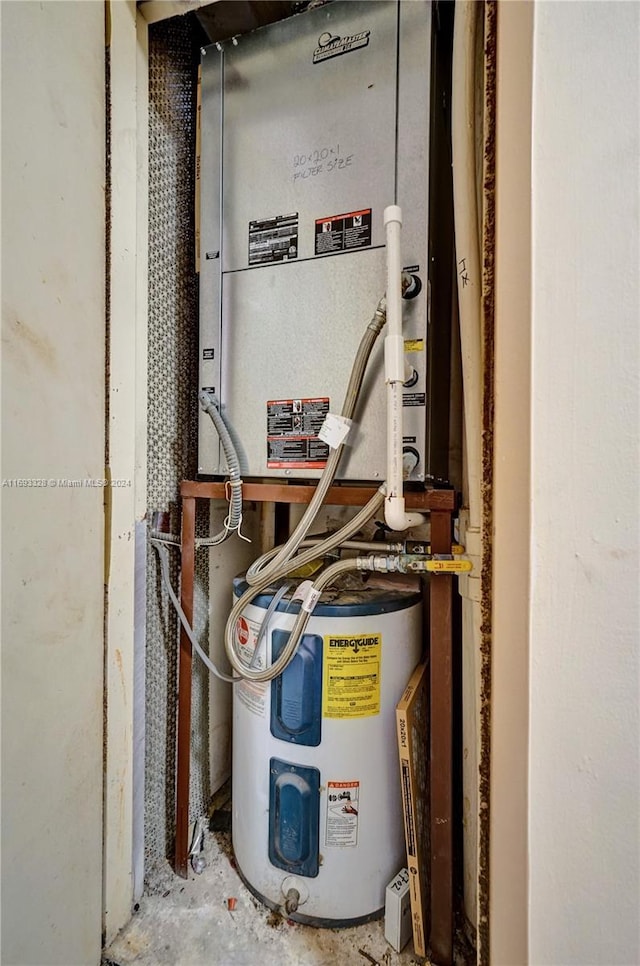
(412, 718)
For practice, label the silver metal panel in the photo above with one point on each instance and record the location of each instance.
(290, 329)
(310, 361)
(414, 75)
(210, 244)
(289, 124)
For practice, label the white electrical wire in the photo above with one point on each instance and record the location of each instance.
(275, 600)
(204, 657)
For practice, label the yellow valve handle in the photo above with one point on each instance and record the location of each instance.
(460, 566)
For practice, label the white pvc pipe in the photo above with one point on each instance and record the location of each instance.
(394, 364)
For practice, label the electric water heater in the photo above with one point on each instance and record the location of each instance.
(310, 127)
(317, 812)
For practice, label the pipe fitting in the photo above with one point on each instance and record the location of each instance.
(291, 902)
(397, 518)
(383, 563)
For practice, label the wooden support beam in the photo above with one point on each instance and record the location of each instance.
(337, 496)
(441, 749)
(181, 855)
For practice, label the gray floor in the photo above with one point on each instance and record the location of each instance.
(189, 924)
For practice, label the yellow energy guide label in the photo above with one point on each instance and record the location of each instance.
(351, 676)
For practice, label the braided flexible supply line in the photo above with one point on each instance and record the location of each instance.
(303, 615)
(322, 581)
(264, 580)
(270, 569)
(359, 545)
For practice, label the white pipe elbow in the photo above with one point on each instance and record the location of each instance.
(397, 518)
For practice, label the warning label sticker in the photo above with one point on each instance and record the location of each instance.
(351, 676)
(252, 694)
(414, 399)
(343, 233)
(293, 426)
(343, 811)
(414, 345)
(273, 239)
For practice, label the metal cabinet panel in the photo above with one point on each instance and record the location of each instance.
(310, 128)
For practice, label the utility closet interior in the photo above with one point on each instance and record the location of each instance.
(320, 503)
(314, 465)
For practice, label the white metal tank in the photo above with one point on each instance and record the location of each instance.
(316, 792)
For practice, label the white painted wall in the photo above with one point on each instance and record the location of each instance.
(584, 835)
(52, 428)
(124, 664)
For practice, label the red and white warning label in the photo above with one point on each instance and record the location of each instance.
(343, 811)
(252, 694)
(343, 233)
(292, 433)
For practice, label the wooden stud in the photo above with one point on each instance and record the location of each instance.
(181, 855)
(441, 750)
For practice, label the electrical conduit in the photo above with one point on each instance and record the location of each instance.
(234, 519)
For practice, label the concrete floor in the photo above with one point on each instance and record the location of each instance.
(189, 924)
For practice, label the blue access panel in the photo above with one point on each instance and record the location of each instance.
(296, 694)
(294, 817)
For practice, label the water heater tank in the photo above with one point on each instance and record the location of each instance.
(317, 816)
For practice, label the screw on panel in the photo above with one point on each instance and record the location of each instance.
(234, 41)
(203, 51)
